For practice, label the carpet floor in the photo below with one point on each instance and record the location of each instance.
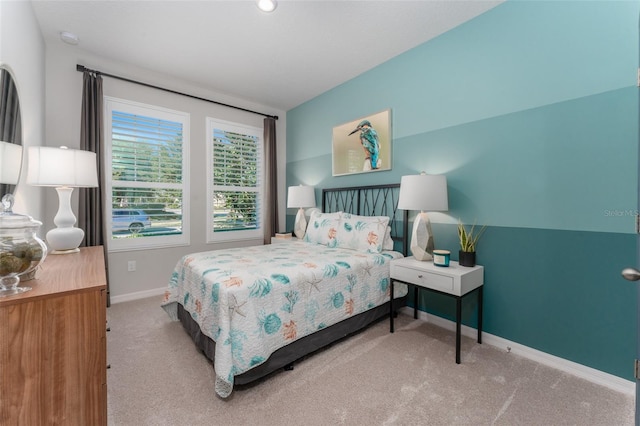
(158, 377)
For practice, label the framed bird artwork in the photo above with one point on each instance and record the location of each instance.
(362, 145)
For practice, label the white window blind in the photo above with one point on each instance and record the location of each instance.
(147, 156)
(146, 149)
(235, 181)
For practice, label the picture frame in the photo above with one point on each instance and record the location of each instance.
(354, 145)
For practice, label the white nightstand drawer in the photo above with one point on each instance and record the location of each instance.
(422, 278)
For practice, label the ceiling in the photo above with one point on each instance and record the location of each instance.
(279, 59)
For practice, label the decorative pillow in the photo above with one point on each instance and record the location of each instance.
(387, 244)
(363, 233)
(322, 228)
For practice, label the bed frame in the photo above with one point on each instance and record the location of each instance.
(376, 200)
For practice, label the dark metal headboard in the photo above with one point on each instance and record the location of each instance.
(375, 200)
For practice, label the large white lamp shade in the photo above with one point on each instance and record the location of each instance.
(425, 193)
(10, 162)
(300, 197)
(63, 169)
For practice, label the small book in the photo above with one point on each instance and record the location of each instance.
(286, 235)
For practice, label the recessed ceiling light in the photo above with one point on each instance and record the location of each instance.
(267, 5)
(69, 38)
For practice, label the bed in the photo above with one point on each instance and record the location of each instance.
(255, 310)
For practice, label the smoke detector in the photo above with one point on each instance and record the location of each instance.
(69, 38)
(267, 5)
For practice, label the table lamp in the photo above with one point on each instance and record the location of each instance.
(300, 197)
(425, 193)
(63, 169)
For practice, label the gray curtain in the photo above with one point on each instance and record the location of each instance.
(91, 200)
(271, 180)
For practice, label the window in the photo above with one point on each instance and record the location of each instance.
(234, 181)
(147, 187)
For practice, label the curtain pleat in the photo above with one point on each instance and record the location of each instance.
(271, 180)
(91, 200)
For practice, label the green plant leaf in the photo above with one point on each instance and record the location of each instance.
(469, 238)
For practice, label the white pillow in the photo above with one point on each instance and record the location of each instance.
(363, 233)
(322, 228)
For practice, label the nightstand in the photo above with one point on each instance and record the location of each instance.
(455, 280)
(276, 240)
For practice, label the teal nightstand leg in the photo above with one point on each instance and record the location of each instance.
(415, 301)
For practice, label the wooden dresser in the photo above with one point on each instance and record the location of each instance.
(53, 345)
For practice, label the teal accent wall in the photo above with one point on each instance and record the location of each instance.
(531, 111)
(556, 291)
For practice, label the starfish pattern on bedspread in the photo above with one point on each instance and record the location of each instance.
(244, 298)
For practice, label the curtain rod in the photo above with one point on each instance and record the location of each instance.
(82, 68)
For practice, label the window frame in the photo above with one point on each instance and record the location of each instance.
(246, 129)
(151, 242)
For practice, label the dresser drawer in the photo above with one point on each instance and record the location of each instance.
(422, 278)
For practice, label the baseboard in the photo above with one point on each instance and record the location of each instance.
(591, 374)
(138, 295)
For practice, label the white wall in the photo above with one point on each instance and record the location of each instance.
(63, 108)
(22, 51)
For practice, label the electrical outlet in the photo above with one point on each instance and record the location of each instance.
(131, 266)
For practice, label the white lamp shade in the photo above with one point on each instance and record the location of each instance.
(423, 192)
(49, 166)
(10, 162)
(301, 196)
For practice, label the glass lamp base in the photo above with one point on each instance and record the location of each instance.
(300, 225)
(422, 238)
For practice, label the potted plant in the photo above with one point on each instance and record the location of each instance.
(468, 241)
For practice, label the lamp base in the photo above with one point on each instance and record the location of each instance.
(422, 238)
(75, 250)
(65, 240)
(300, 225)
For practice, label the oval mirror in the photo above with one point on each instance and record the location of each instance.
(10, 133)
